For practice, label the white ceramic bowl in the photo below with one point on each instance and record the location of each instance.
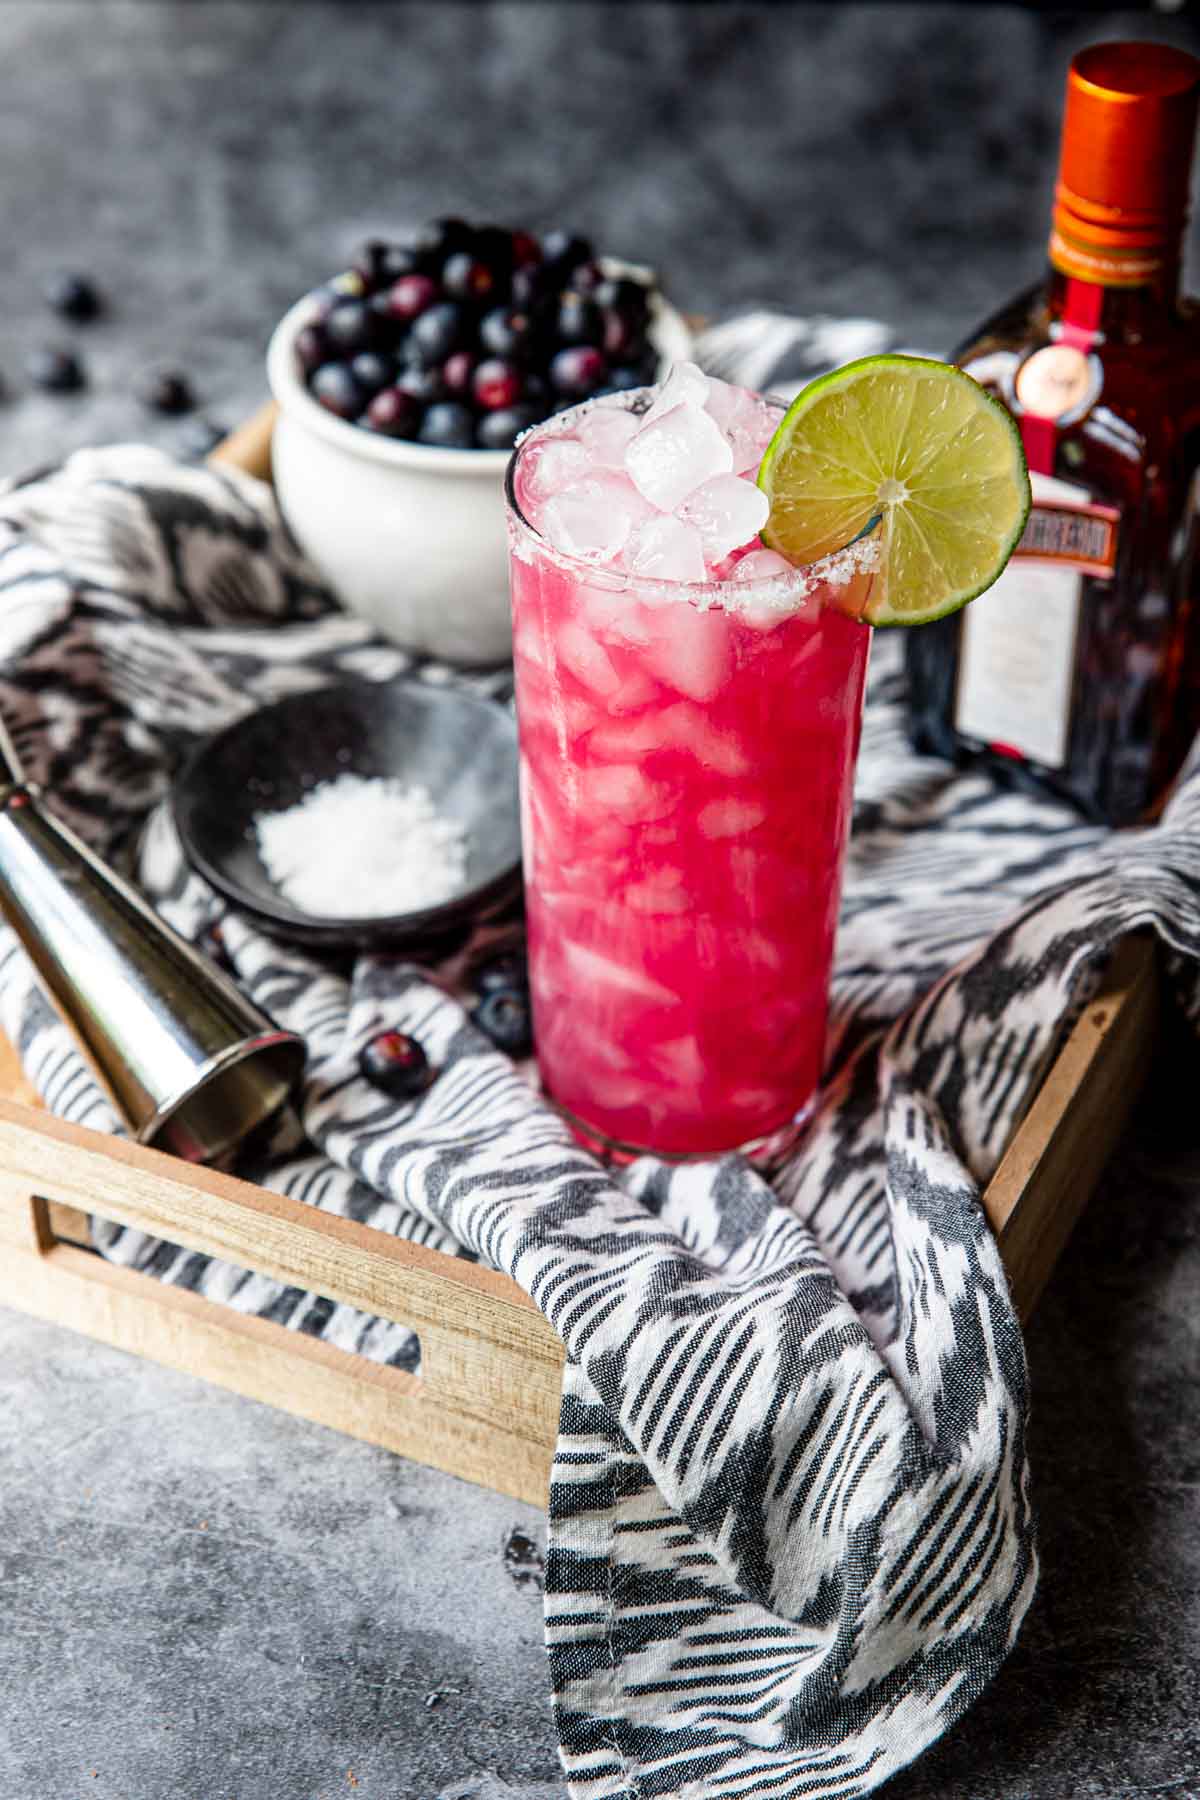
(409, 537)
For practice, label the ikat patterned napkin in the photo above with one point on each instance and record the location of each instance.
(790, 1533)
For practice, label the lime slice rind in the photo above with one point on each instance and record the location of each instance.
(922, 444)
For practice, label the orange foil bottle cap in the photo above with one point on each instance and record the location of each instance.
(1125, 168)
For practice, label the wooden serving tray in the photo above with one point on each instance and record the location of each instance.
(485, 1405)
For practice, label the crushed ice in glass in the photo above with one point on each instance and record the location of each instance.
(668, 494)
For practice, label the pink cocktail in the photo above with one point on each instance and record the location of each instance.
(689, 712)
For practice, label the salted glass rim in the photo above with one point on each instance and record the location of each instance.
(704, 594)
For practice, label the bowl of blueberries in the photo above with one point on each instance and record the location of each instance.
(402, 386)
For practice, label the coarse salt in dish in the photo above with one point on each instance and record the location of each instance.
(361, 847)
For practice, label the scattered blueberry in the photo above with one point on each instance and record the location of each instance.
(448, 425)
(622, 379)
(333, 386)
(165, 391)
(507, 970)
(72, 296)
(503, 1015)
(57, 371)
(395, 1063)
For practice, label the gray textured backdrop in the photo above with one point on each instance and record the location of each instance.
(209, 161)
(203, 1600)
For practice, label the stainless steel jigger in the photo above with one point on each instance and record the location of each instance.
(190, 1063)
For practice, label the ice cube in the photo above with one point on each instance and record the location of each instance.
(593, 518)
(730, 818)
(685, 385)
(727, 512)
(694, 657)
(606, 432)
(665, 549)
(551, 464)
(745, 423)
(593, 969)
(625, 791)
(760, 565)
(679, 1061)
(661, 892)
(674, 453)
(587, 660)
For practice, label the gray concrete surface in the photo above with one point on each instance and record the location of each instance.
(204, 1600)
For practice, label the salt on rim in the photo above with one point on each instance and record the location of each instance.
(782, 595)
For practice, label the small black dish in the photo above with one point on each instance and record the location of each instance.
(460, 748)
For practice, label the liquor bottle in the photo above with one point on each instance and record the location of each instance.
(1079, 672)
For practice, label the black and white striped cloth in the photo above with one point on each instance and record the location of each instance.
(790, 1523)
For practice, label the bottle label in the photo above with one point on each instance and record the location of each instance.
(1017, 647)
(1059, 382)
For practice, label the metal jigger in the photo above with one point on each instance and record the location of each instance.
(190, 1063)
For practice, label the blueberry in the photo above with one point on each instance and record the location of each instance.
(525, 250)
(398, 260)
(631, 297)
(165, 391)
(579, 321)
(500, 430)
(373, 370)
(425, 386)
(57, 371)
(504, 332)
(441, 238)
(334, 387)
(503, 1015)
(458, 371)
(370, 265)
(350, 326)
(466, 278)
(507, 970)
(587, 278)
(492, 245)
(439, 332)
(622, 379)
(448, 426)
(530, 283)
(395, 1063)
(71, 295)
(537, 393)
(497, 383)
(412, 295)
(624, 336)
(565, 252)
(312, 347)
(393, 413)
(578, 372)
